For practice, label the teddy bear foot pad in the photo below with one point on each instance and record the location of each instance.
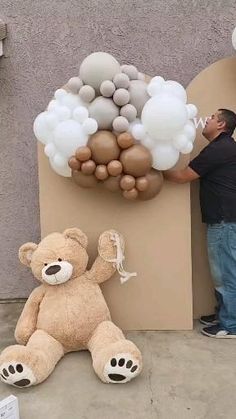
(17, 374)
(121, 368)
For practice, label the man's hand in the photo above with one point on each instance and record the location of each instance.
(180, 176)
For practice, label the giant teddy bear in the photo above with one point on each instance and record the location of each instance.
(67, 312)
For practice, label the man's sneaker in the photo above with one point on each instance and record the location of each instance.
(217, 332)
(211, 320)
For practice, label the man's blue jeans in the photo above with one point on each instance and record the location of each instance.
(221, 240)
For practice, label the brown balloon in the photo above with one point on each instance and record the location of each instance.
(114, 168)
(132, 194)
(101, 172)
(85, 181)
(155, 182)
(88, 167)
(74, 164)
(104, 147)
(141, 183)
(112, 183)
(125, 140)
(83, 153)
(136, 160)
(127, 182)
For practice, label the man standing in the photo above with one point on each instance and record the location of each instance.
(216, 168)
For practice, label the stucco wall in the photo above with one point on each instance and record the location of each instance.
(46, 41)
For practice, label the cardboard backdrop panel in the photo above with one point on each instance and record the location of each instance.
(213, 88)
(158, 246)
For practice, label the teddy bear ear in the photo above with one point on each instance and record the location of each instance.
(77, 235)
(26, 252)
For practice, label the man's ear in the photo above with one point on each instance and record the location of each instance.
(26, 252)
(221, 124)
(77, 235)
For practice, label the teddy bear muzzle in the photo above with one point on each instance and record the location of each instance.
(56, 272)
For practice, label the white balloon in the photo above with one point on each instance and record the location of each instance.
(90, 126)
(192, 110)
(190, 131)
(163, 116)
(41, 129)
(158, 79)
(234, 38)
(175, 89)
(138, 131)
(164, 156)
(59, 160)
(68, 136)
(154, 88)
(63, 113)
(71, 101)
(59, 94)
(148, 142)
(51, 120)
(180, 141)
(53, 104)
(187, 148)
(50, 150)
(80, 114)
(62, 171)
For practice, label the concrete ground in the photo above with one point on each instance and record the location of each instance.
(185, 376)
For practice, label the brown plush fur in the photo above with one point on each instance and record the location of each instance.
(68, 316)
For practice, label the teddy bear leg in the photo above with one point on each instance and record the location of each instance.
(24, 366)
(115, 359)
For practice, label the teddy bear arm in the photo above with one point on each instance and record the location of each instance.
(101, 270)
(26, 324)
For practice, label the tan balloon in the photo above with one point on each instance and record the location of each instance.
(136, 160)
(113, 183)
(141, 183)
(74, 164)
(104, 147)
(127, 182)
(155, 182)
(132, 194)
(85, 181)
(88, 167)
(101, 172)
(114, 168)
(83, 153)
(125, 140)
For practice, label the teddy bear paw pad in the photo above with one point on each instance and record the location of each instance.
(121, 368)
(17, 374)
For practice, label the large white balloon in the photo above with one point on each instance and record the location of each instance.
(163, 116)
(68, 136)
(164, 156)
(62, 171)
(175, 89)
(42, 130)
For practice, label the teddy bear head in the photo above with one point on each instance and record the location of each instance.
(58, 257)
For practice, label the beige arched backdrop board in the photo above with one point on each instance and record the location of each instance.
(213, 88)
(158, 237)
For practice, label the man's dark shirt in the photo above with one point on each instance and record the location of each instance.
(216, 166)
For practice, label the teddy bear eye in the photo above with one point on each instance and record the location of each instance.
(59, 260)
(45, 264)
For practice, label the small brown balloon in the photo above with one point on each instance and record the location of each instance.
(114, 168)
(104, 147)
(127, 182)
(88, 167)
(132, 194)
(83, 153)
(136, 160)
(74, 164)
(125, 140)
(85, 181)
(113, 183)
(101, 172)
(141, 183)
(155, 182)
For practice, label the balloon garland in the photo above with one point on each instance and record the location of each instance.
(110, 126)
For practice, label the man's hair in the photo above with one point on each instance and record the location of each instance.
(229, 117)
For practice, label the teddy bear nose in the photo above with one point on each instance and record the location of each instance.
(53, 269)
